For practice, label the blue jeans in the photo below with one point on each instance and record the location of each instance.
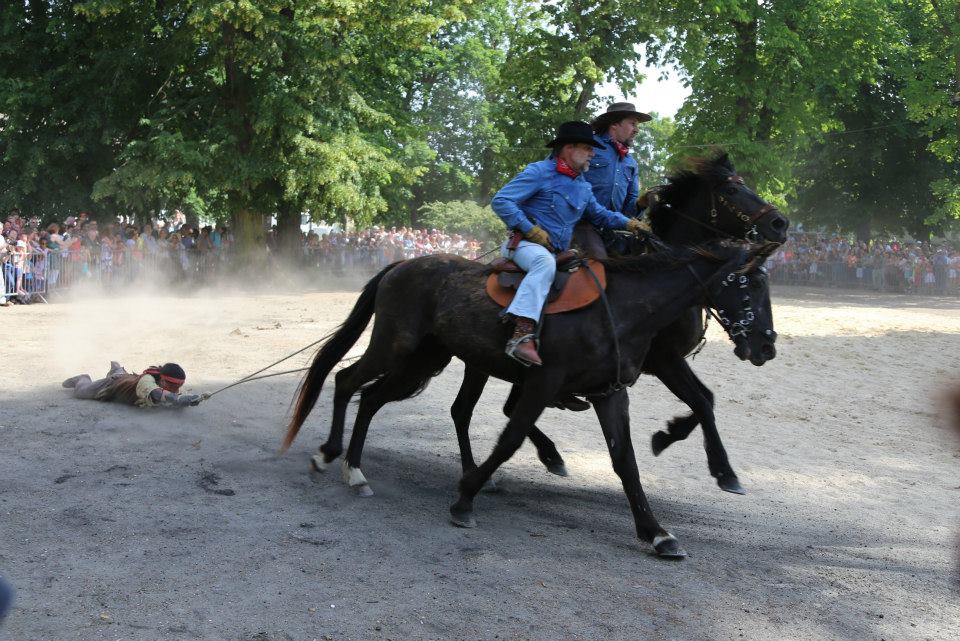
(6, 598)
(541, 267)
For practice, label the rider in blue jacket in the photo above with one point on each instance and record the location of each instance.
(543, 203)
(614, 173)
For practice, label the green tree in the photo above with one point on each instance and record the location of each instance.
(874, 175)
(767, 77)
(263, 103)
(463, 217)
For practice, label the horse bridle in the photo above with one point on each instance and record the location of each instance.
(749, 220)
(750, 232)
(737, 328)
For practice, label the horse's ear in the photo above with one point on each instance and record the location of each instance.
(723, 160)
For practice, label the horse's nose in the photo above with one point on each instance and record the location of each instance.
(768, 351)
(779, 225)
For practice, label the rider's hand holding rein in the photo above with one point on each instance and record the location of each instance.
(638, 228)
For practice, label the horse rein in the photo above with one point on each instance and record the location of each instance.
(618, 385)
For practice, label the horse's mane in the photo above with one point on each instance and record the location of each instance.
(682, 185)
(669, 258)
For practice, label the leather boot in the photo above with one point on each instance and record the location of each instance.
(522, 346)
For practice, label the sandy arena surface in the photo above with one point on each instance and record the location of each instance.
(118, 523)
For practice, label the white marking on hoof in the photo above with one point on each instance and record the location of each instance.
(660, 538)
(318, 463)
(354, 478)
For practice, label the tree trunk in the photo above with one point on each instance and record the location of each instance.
(486, 175)
(288, 231)
(250, 240)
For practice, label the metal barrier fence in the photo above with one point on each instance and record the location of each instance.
(25, 275)
(889, 277)
(33, 275)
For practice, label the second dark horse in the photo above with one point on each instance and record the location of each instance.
(706, 203)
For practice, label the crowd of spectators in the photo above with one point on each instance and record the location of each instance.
(882, 265)
(378, 246)
(35, 257)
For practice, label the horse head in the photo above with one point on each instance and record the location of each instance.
(712, 198)
(740, 293)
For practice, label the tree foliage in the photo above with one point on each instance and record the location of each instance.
(350, 109)
(463, 217)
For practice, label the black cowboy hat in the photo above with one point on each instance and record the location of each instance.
(617, 112)
(572, 133)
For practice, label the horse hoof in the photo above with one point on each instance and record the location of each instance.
(462, 519)
(364, 490)
(668, 547)
(490, 487)
(731, 484)
(318, 464)
(558, 468)
(659, 442)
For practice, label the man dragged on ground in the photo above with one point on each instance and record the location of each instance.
(155, 387)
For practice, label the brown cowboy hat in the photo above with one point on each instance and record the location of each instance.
(617, 112)
(572, 133)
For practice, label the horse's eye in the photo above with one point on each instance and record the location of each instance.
(731, 190)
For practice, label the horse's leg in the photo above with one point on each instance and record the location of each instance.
(676, 374)
(538, 390)
(614, 414)
(546, 450)
(402, 382)
(346, 386)
(462, 411)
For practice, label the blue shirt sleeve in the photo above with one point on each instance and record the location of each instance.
(600, 216)
(506, 203)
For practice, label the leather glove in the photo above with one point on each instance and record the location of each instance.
(188, 399)
(638, 228)
(539, 236)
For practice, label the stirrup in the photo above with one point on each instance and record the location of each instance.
(514, 343)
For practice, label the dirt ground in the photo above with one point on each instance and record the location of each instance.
(118, 523)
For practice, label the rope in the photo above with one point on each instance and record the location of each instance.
(254, 377)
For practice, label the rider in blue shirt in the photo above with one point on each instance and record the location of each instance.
(543, 203)
(614, 173)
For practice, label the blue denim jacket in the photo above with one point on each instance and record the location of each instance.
(616, 183)
(540, 195)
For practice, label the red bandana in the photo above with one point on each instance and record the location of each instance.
(621, 149)
(565, 169)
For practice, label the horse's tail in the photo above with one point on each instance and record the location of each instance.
(331, 353)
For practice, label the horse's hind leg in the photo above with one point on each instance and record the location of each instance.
(401, 383)
(348, 381)
(539, 387)
(546, 450)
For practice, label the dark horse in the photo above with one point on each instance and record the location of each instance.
(696, 206)
(432, 308)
